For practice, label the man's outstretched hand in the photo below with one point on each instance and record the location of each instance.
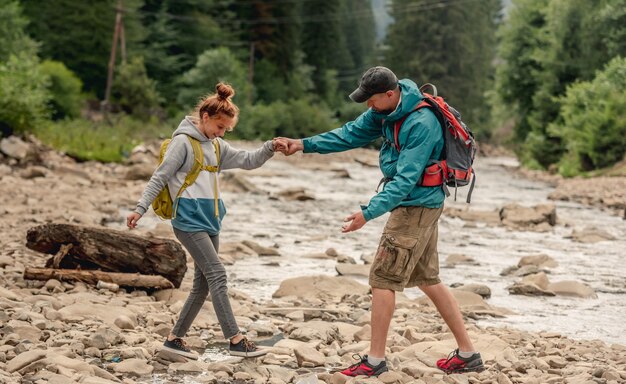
(354, 222)
(289, 146)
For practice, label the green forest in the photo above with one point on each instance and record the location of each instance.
(546, 78)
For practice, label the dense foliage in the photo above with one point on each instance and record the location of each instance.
(547, 46)
(592, 121)
(452, 47)
(529, 68)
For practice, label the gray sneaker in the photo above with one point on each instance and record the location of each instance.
(245, 348)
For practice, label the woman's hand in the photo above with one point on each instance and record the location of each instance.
(291, 146)
(280, 144)
(132, 219)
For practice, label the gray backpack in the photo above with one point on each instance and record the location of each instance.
(455, 167)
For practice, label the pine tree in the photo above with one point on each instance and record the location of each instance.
(323, 43)
(547, 46)
(451, 46)
(80, 33)
(177, 32)
(358, 27)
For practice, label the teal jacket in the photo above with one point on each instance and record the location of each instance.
(420, 140)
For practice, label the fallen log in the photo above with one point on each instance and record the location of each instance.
(90, 248)
(92, 277)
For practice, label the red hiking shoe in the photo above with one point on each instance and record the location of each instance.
(363, 368)
(457, 364)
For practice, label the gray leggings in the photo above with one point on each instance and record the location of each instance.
(209, 276)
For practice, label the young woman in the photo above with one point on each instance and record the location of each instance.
(198, 212)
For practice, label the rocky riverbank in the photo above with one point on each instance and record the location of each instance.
(61, 332)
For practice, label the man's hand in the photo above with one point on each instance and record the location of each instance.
(293, 145)
(132, 219)
(354, 222)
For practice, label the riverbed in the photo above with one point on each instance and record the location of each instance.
(302, 228)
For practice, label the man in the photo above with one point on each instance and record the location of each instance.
(407, 254)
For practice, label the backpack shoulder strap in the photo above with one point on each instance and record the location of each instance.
(198, 162)
(398, 124)
(217, 152)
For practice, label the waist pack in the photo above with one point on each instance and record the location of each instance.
(163, 205)
(459, 149)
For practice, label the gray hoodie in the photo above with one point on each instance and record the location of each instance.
(195, 208)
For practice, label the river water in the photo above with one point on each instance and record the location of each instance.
(301, 228)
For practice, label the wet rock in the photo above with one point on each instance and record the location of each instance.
(309, 357)
(261, 250)
(314, 330)
(479, 289)
(528, 289)
(527, 270)
(470, 302)
(539, 279)
(186, 367)
(540, 261)
(517, 216)
(133, 367)
(294, 194)
(591, 235)
(489, 217)
(352, 269)
(456, 258)
(167, 357)
(345, 259)
(236, 182)
(572, 288)
(321, 287)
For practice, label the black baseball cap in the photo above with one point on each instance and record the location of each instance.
(374, 80)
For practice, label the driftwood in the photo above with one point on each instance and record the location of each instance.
(89, 248)
(92, 277)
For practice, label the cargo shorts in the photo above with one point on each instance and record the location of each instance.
(407, 254)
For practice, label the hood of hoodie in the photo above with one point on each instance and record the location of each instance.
(187, 127)
(411, 96)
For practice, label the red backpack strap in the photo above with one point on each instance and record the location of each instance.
(398, 124)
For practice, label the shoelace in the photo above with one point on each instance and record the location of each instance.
(180, 343)
(354, 366)
(249, 345)
(451, 355)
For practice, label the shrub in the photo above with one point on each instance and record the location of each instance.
(295, 118)
(134, 91)
(592, 122)
(13, 40)
(65, 90)
(213, 66)
(106, 141)
(23, 94)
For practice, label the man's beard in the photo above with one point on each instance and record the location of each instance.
(384, 111)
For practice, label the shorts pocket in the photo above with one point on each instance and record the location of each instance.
(393, 256)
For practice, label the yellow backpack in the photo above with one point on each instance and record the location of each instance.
(163, 205)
